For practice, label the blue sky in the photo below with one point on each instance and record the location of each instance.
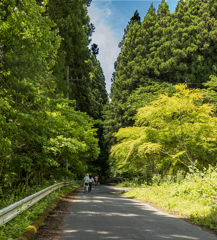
(110, 17)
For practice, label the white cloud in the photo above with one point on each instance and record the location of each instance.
(109, 12)
(105, 38)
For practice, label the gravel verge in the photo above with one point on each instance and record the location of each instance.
(52, 226)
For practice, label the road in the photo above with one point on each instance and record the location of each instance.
(101, 214)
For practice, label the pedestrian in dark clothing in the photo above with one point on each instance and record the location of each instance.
(90, 182)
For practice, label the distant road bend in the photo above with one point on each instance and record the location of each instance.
(101, 214)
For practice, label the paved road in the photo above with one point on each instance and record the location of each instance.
(104, 215)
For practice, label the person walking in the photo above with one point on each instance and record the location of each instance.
(96, 179)
(86, 182)
(90, 182)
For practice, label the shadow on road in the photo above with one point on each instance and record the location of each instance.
(101, 214)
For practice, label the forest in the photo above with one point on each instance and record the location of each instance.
(48, 116)
(165, 84)
(161, 116)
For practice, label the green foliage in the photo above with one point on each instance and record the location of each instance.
(25, 37)
(133, 184)
(210, 94)
(176, 132)
(89, 94)
(164, 48)
(41, 129)
(21, 192)
(41, 144)
(72, 22)
(126, 78)
(187, 197)
(97, 95)
(75, 29)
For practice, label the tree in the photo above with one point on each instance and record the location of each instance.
(182, 55)
(157, 54)
(94, 49)
(40, 129)
(130, 72)
(74, 27)
(28, 48)
(177, 131)
(210, 92)
(166, 47)
(135, 18)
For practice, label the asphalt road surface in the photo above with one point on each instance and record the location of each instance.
(101, 214)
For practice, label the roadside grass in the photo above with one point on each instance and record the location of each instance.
(14, 228)
(130, 184)
(22, 192)
(189, 198)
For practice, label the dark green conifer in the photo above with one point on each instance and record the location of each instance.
(130, 69)
(135, 18)
(157, 56)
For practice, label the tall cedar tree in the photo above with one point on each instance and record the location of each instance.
(38, 133)
(129, 70)
(90, 94)
(185, 52)
(175, 48)
(29, 60)
(73, 24)
(98, 98)
(156, 56)
(75, 29)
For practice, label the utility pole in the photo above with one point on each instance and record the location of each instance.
(72, 83)
(75, 99)
(67, 78)
(66, 165)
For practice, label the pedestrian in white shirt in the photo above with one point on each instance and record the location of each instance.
(90, 182)
(86, 182)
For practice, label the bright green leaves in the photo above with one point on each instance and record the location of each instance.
(45, 141)
(179, 124)
(179, 117)
(7, 127)
(178, 128)
(24, 23)
(39, 128)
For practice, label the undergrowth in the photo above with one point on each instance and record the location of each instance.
(130, 184)
(189, 197)
(14, 228)
(22, 192)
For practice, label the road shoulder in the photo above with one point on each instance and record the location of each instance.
(185, 218)
(52, 227)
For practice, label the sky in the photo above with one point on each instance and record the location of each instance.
(110, 17)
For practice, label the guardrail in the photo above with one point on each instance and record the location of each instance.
(8, 213)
